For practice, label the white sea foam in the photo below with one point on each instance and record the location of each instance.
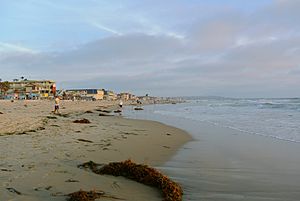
(213, 166)
(276, 118)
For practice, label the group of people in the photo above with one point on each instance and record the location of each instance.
(57, 101)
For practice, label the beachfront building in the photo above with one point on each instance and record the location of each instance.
(110, 95)
(126, 96)
(87, 94)
(29, 89)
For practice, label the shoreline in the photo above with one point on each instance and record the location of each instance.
(227, 164)
(43, 159)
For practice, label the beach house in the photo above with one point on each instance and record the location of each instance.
(109, 95)
(93, 94)
(30, 89)
(126, 96)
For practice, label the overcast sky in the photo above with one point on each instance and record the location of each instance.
(233, 48)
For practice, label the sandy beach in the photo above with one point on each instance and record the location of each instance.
(41, 151)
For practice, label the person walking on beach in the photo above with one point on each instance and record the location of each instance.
(121, 104)
(56, 106)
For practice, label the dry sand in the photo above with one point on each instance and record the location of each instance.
(40, 151)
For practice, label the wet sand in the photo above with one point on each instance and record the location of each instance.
(239, 166)
(41, 151)
(223, 164)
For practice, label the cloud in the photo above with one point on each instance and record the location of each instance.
(216, 34)
(118, 56)
(8, 47)
(104, 28)
(229, 53)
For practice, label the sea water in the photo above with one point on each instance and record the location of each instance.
(277, 119)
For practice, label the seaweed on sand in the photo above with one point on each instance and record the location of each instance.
(141, 173)
(84, 140)
(106, 111)
(51, 117)
(105, 115)
(88, 196)
(82, 121)
(84, 195)
(94, 167)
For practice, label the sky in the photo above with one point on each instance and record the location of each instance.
(231, 48)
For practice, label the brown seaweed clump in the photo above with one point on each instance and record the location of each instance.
(142, 174)
(82, 121)
(94, 167)
(105, 111)
(89, 196)
(85, 195)
(105, 115)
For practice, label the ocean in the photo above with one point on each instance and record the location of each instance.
(274, 119)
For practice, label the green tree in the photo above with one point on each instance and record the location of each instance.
(4, 87)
